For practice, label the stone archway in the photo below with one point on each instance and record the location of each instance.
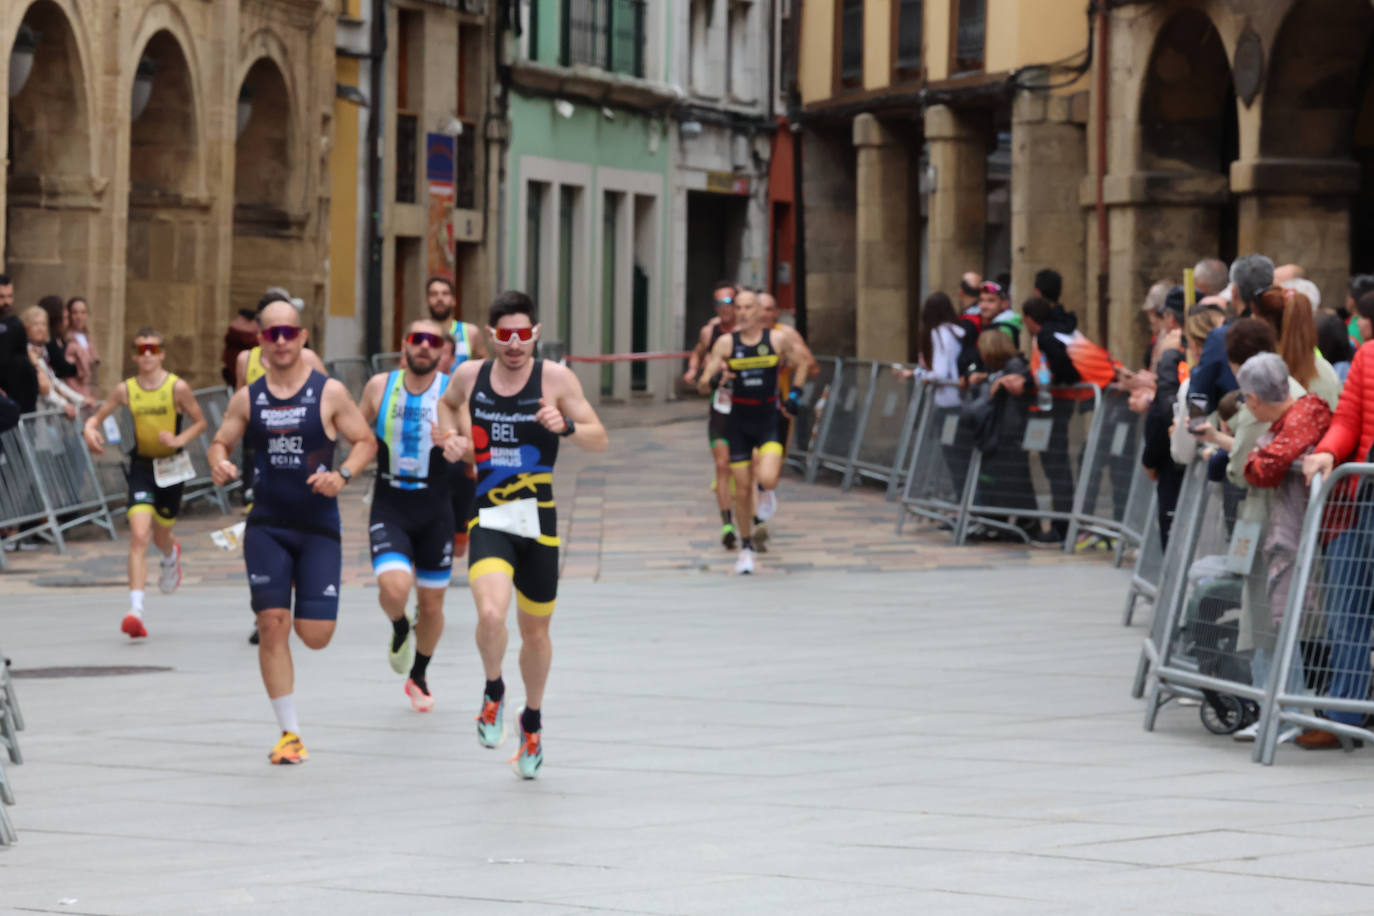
(1301, 189)
(51, 197)
(269, 214)
(167, 275)
(1188, 139)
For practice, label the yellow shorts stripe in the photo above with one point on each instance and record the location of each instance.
(164, 522)
(490, 565)
(533, 608)
(139, 509)
(770, 448)
(549, 540)
(741, 464)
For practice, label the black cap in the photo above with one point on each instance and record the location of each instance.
(1175, 303)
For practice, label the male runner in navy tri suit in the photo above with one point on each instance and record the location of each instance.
(291, 417)
(511, 412)
(467, 343)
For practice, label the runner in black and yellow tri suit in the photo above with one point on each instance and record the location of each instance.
(750, 359)
(466, 343)
(509, 413)
(766, 501)
(719, 412)
(158, 400)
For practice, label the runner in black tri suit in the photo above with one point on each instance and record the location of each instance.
(511, 412)
(464, 341)
(411, 526)
(719, 413)
(292, 417)
(749, 360)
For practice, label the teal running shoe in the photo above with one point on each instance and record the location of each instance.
(531, 756)
(491, 723)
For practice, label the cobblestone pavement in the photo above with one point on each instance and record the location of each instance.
(643, 509)
(875, 724)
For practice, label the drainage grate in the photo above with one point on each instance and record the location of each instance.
(87, 671)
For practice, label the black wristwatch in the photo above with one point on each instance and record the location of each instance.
(346, 474)
(567, 421)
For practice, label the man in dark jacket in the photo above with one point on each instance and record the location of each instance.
(1051, 328)
(1156, 458)
(1251, 275)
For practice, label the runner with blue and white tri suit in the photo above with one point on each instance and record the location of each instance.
(411, 526)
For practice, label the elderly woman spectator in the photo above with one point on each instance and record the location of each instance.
(1296, 425)
(49, 392)
(1348, 572)
(81, 351)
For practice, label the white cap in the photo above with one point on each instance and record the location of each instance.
(1308, 289)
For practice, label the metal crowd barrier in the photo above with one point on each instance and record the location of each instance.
(1008, 491)
(809, 425)
(941, 453)
(65, 474)
(24, 503)
(1107, 470)
(884, 432)
(1139, 516)
(384, 362)
(353, 371)
(1149, 561)
(1323, 671)
(850, 391)
(11, 723)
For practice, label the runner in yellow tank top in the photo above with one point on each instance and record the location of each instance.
(158, 400)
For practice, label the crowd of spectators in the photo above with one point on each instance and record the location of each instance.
(48, 355)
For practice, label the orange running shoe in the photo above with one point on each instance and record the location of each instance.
(288, 750)
(531, 756)
(491, 723)
(133, 626)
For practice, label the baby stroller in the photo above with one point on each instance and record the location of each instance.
(1209, 636)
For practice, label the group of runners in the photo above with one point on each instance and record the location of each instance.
(465, 445)
(754, 367)
(465, 434)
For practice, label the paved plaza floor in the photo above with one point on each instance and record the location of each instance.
(875, 723)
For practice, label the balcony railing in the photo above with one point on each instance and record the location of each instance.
(608, 34)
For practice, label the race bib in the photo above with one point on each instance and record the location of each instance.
(520, 518)
(720, 402)
(111, 430)
(1123, 431)
(1037, 437)
(175, 469)
(950, 430)
(1245, 540)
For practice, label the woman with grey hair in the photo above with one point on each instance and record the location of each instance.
(1296, 425)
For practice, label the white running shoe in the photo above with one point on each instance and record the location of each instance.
(170, 577)
(744, 566)
(766, 503)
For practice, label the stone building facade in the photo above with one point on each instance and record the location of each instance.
(950, 135)
(167, 160)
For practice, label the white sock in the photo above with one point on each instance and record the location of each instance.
(136, 602)
(285, 708)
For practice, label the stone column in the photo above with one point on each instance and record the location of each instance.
(1049, 160)
(1297, 211)
(885, 215)
(958, 197)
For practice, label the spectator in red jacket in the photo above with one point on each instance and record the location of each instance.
(1349, 574)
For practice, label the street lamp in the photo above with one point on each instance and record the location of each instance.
(143, 86)
(21, 58)
(245, 109)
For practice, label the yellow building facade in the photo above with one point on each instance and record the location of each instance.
(939, 137)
